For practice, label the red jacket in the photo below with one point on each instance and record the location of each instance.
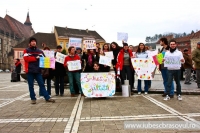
(120, 59)
(69, 58)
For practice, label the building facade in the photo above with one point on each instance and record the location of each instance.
(12, 32)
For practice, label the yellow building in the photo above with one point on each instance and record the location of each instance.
(62, 35)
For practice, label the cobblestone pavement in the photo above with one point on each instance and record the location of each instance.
(91, 115)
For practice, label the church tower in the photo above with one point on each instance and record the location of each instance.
(28, 22)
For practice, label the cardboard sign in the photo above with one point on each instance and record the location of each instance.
(89, 44)
(46, 62)
(105, 60)
(109, 54)
(74, 65)
(60, 57)
(143, 67)
(48, 53)
(160, 58)
(98, 84)
(172, 62)
(122, 36)
(76, 42)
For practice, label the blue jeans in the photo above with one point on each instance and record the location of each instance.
(164, 73)
(59, 82)
(174, 74)
(48, 86)
(77, 77)
(146, 86)
(39, 79)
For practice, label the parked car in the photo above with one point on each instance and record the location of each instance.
(1, 70)
(7, 70)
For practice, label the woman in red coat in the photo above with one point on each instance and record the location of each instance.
(124, 64)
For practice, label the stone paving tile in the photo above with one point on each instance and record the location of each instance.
(189, 103)
(8, 94)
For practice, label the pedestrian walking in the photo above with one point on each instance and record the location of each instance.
(196, 59)
(18, 67)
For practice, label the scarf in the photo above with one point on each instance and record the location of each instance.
(172, 50)
(18, 63)
(90, 59)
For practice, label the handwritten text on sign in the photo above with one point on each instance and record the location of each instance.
(172, 61)
(122, 36)
(89, 44)
(98, 84)
(48, 53)
(74, 65)
(76, 42)
(105, 60)
(46, 62)
(60, 57)
(143, 68)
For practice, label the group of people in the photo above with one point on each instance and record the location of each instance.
(121, 62)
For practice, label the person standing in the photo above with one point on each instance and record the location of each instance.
(163, 70)
(33, 71)
(73, 74)
(196, 59)
(125, 65)
(115, 48)
(133, 71)
(60, 74)
(141, 53)
(18, 67)
(187, 66)
(174, 72)
(105, 68)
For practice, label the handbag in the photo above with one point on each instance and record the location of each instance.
(45, 72)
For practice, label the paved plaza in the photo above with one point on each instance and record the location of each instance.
(92, 115)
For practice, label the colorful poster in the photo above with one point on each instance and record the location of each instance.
(155, 59)
(98, 84)
(74, 65)
(46, 62)
(48, 53)
(122, 36)
(105, 60)
(143, 67)
(89, 44)
(60, 57)
(160, 58)
(172, 62)
(109, 54)
(76, 42)
(151, 53)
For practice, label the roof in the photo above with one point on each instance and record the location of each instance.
(4, 26)
(184, 39)
(28, 22)
(46, 38)
(69, 32)
(20, 30)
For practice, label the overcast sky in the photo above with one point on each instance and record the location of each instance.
(138, 18)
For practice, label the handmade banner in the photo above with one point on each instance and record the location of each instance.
(89, 44)
(76, 42)
(48, 53)
(143, 67)
(74, 65)
(109, 54)
(105, 60)
(47, 62)
(155, 60)
(172, 62)
(160, 58)
(98, 84)
(122, 36)
(151, 53)
(60, 57)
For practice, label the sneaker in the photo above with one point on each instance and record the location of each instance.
(187, 83)
(49, 95)
(164, 95)
(33, 101)
(171, 96)
(166, 98)
(82, 95)
(139, 93)
(72, 95)
(51, 100)
(179, 98)
(41, 97)
(145, 93)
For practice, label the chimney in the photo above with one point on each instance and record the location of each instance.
(87, 30)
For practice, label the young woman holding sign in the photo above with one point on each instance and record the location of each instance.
(140, 53)
(73, 74)
(106, 48)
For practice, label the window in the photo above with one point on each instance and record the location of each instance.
(20, 55)
(61, 44)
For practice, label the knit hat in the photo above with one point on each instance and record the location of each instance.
(32, 38)
(78, 48)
